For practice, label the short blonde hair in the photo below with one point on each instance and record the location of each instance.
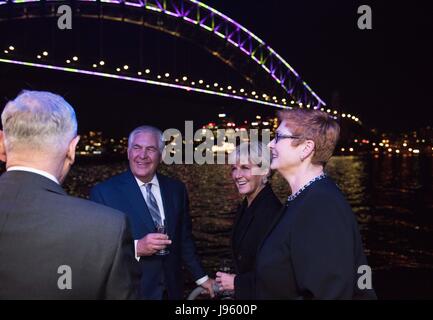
(256, 153)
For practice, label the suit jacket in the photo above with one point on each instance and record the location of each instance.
(250, 227)
(313, 249)
(159, 272)
(42, 229)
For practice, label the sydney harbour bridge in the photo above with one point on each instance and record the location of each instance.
(257, 74)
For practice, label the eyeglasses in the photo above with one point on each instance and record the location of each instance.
(279, 137)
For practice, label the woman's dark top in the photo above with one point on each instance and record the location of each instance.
(313, 250)
(248, 231)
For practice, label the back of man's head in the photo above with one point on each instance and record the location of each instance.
(38, 122)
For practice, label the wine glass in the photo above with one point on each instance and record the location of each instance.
(226, 267)
(161, 228)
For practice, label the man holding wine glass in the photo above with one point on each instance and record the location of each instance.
(158, 210)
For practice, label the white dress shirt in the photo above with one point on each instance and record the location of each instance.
(156, 191)
(33, 170)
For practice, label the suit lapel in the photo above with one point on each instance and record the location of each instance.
(167, 202)
(132, 192)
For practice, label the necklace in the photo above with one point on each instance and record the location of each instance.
(293, 196)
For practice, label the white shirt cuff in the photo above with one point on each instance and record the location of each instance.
(135, 250)
(202, 280)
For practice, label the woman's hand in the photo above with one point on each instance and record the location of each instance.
(226, 281)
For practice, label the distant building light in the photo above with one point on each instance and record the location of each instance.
(343, 115)
(222, 115)
(254, 123)
(389, 149)
(342, 149)
(376, 149)
(265, 123)
(415, 151)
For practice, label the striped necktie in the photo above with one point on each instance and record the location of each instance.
(152, 205)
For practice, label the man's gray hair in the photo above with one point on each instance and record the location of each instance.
(254, 152)
(40, 121)
(154, 130)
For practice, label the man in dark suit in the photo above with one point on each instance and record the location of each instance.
(150, 199)
(54, 246)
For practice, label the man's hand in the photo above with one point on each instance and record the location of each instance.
(226, 281)
(151, 243)
(208, 285)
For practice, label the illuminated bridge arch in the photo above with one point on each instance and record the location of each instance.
(166, 15)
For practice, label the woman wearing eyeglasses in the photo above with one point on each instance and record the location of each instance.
(250, 172)
(314, 249)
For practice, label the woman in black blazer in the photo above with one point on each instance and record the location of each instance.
(254, 216)
(314, 248)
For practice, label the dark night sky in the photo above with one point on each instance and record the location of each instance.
(385, 75)
(382, 75)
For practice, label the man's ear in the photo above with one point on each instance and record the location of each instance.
(71, 149)
(2, 147)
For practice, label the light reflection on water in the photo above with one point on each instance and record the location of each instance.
(391, 197)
